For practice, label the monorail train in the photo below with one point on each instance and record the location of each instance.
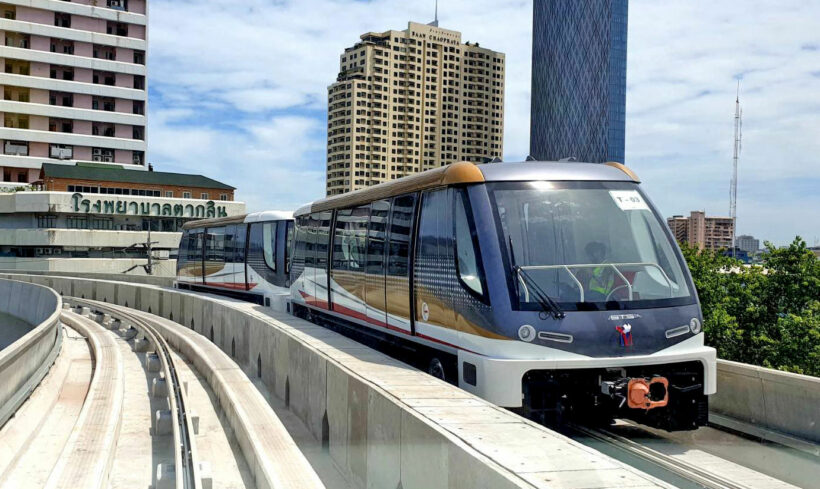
(554, 288)
(245, 257)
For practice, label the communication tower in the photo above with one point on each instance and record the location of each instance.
(733, 186)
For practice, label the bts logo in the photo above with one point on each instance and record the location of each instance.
(624, 334)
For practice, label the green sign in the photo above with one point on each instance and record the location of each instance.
(132, 208)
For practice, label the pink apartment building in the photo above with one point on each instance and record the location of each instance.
(74, 84)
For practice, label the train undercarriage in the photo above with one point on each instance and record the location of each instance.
(668, 397)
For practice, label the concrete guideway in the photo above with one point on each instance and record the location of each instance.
(269, 451)
(88, 454)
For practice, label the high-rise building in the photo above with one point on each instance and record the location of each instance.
(407, 101)
(74, 86)
(578, 80)
(701, 231)
(748, 243)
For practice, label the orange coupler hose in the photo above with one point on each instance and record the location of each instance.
(638, 393)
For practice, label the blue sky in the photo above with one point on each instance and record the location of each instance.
(238, 90)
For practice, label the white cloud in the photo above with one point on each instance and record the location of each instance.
(238, 92)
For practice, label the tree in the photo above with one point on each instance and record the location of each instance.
(765, 315)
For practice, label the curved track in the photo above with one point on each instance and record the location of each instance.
(186, 467)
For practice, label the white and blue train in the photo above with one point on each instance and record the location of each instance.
(552, 288)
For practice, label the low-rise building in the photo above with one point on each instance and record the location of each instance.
(97, 220)
(748, 243)
(702, 231)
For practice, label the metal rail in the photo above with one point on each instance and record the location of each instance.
(677, 467)
(186, 467)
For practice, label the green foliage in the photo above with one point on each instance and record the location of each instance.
(768, 314)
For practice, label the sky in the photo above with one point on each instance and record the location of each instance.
(237, 92)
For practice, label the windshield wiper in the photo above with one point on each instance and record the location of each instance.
(547, 303)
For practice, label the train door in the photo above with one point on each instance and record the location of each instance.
(397, 281)
(375, 263)
(240, 234)
(434, 273)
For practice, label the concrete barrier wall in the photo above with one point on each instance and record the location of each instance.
(162, 281)
(22, 364)
(385, 424)
(770, 399)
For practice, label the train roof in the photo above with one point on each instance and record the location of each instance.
(466, 173)
(262, 216)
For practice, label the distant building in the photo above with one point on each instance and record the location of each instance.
(407, 101)
(74, 85)
(578, 80)
(747, 243)
(815, 250)
(93, 219)
(711, 233)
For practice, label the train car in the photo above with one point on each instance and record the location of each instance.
(553, 288)
(245, 257)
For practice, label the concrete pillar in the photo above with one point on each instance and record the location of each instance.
(166, 476)
(163, 423)
(152, 362)
(159, 387)
(206, 475)
(141, 345)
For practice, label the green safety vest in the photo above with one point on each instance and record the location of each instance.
(601, 282)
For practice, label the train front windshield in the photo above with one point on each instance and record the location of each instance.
(588, 246)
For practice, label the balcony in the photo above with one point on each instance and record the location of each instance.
(61, 152)
(15, 148)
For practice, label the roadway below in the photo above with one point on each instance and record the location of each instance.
(11, 329)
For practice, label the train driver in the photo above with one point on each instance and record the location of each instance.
(601, 279)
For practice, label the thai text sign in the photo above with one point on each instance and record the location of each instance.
(124, 207)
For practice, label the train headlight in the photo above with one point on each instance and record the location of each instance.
(526, 333)
(695, 326)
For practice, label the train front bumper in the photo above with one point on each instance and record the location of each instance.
(499, 380)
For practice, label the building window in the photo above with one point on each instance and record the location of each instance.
(46, 221)
(117, 29)
(186, 195)
(223, 196)
(62, 19)
(169, 194)
(139, 82)
(77, 222)
(61, 151)
(139, 107)
(203, 196)
(139, 57)
(138, 157)
(19, 148)
(102, 223)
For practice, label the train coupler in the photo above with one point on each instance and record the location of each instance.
(638, 392)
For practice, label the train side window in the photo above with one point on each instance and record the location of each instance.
(468, 262)
(288, 245)
(269, 244)
(349, 240)
(401, 226)
(322, 238)
(376, 235)
(239, 240)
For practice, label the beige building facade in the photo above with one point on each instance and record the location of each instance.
(412, 100)
(702, 231)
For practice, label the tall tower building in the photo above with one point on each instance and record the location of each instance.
(74, 86)
(578, 80)
(407, 101)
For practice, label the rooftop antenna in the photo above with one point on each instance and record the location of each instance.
(733, 187)
(435, 21)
